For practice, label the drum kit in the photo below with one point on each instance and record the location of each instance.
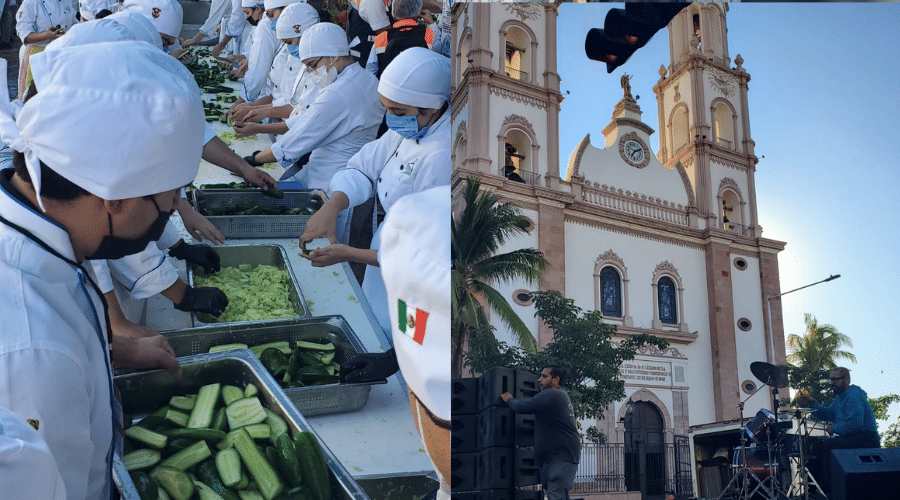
(771, 463)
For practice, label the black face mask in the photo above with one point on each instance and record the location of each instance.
(253, 22)
(113, 247)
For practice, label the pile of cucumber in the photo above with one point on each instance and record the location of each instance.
(223, 444)
(306, 364)
(214, 110)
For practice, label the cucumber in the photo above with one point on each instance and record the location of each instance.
(250, 391)
(208, 474)
(154, 419)
(177, 444)
(146, 436)
(327, 357)
(220, 423)
(313, 346)
(312, 465)
(245, 481)
(259, 431)
(228, 442)
(162, 494)
(244, 412)
(189, 456)
(145, 485)
(228, 465)
(250, 495)
(225, 347)
(204, 492)
(196, 434)
(266, 478)
(185, 403)
(176, 482)
(230, 394)
(176, 417)
(281, 345)
(202, 414)
(141, 459)
(276, 423)
(287, 460)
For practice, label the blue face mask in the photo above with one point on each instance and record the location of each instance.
(294, 50)
(406, 126)
(273, 23)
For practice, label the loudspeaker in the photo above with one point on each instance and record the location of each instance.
(466, 495)
(524, 430)
(495, 468)
(464, 434)
(464, 400)
(526, 385)
(494, 382)
(509, 494)
(496, 427)
(865, 474)
(463, 472)
(526, 472)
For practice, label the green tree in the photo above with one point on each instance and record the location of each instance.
(581, 343)
(891, 437)
(476, 235)
(814, 352)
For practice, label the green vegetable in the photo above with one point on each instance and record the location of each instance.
(228, 464)
(189, 456)
(273, 192)
(204, 492)
(195, 434)
(276, 423)
(202, 414)
(312, 465)
(254, 293)
(141, 459)
(287, 460)
(146, 487)
(245, 412)
(146, 436)
(185, 403)
(250, 390)
(208, 474)
(176, 417)
(281, 345)
(177, 444)
(274, 361)
(175, 482)
(154, 419)
(259, 431)
(267, 480)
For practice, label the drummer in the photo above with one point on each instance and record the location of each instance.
(853, 422)
(414, 155)
(65, 203)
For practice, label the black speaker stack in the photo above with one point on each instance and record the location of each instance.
(865, 474)
(492, 447)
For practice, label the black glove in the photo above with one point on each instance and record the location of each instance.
(202, 255)
(370, 367)
(252, 160)
(205, 299)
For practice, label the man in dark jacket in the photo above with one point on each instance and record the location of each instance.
(557, 443)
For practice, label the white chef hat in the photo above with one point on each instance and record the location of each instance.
(140, 26)
(415, 265)
(295, 19)
(417, 77)
(166, 15)
(274, 4)
(323, 40)
(251, 3)
(139, 104)
(27, 469)
(98, 31)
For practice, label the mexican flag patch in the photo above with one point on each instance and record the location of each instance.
(412, 323)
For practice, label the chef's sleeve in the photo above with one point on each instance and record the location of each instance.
(217, 10)
(26, 19)
(262, 54)
(315, 126)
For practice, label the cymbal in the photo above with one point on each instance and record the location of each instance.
(769, 374)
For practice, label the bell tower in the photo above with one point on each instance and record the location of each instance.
(704, 119)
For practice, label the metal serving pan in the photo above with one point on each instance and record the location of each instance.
(144, 392)
(258, 226)
(235, 255)
(314, 400)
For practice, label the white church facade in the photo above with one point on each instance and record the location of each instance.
(661, 242)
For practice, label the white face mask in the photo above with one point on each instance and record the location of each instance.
(324, 76)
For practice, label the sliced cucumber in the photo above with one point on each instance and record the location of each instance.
(189, 456)
(245, 412)
(176, 482)
(176, 417)
(202, 414)
(141, 459)
(250, 391)
(266, 478)
(146, 436)
(228, 463)
(230, 394)
(185, 403)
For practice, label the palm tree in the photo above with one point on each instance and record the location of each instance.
(476, 235)
(813, 353)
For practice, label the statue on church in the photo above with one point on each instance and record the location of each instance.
(626, 85)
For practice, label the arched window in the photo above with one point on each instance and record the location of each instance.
(610, 292)
(464, 47)
(724, 126)
(668, 301)
(679, 126)
(518, 60)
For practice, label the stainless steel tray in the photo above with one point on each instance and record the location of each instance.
(145, 392)
(315, 400)
(270, 255)
(258, 226)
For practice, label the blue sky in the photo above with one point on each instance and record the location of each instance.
(824, 100)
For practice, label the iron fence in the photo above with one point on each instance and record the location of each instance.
(615, 467)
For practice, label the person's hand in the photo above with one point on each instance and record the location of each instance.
(237, 111)
(205, 299)
(369, 367)
(320, 225)
(125, 328)
(257, 114)
(327, 256)
(178, 52)
(144, 353)
(259, 178)
(506, 396)
(217, 49)
(199, 226)
(245, 129)
(241, 69)
(201, 255)
(52, 33)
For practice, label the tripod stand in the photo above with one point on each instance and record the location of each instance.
(803, 477)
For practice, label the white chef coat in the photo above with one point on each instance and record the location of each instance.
(262, 54)
(285, 71)
(25, 456)
(54, 354)
(90, 8)
(344, 116)
(304, 92)
(394, 167)
(35, 16)
(219, 13)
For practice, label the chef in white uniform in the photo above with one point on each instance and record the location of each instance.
(56, 355)
(90, 8)
(36, 22)
(412, 156)
(236, 30)
(166, 15)
(27, 469)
